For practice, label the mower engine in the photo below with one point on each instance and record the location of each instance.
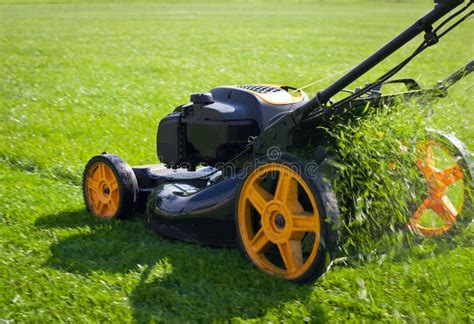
(215, 126)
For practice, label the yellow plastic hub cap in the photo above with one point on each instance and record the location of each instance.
(445, 188)
(102, 190)
(279, 221)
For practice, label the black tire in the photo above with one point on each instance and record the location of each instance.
(467, 165)
(126, 181)
(314, 176)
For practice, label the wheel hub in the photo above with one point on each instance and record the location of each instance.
(280, 221)
(276, 224)
(105, 191)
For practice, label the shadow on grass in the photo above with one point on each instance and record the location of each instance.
(178, 281)
(68, 219)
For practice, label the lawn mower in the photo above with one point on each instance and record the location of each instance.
(228, 176)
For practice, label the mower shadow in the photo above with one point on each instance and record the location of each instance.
(68, 219)
(175, 282)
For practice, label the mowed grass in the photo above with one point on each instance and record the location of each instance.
(81, 78)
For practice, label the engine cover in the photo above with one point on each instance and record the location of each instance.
(216, 126)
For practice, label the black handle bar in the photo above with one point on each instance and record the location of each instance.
(278, 131)
(423, 24)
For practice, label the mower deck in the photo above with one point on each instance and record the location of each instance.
(183, 204)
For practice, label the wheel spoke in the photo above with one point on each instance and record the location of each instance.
(429, 156)
(99, 206)
(291, 254)
(101, 171)
(287, 187)
(305, 223)
(259, 197)
(447, 211)
(108, 173)
(419, 212)
(92, 197)
(426, 169)
(426, 163)
(92, 184)
(260, 241)
(112, 204)
(449, 175)
(113, 185)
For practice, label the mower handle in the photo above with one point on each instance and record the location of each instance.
(423, 96)
(441, 86)
(411, 84)
(278, 131)
(456, 76)
(423, 24)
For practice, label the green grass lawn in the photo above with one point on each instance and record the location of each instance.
(81, 78)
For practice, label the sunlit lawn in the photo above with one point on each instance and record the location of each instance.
(81, 78)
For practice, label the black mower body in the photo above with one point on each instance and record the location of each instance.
(217, 125)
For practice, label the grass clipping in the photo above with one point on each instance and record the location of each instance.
(378, 184)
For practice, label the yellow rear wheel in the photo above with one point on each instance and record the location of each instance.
(444, 164)
(282, 223)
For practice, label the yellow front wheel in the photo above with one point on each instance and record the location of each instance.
(109, 186)
(286, 220)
